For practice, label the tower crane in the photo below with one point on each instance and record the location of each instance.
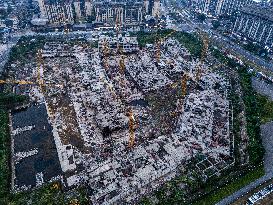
(122, 64)
(39, 81)
(105, 54)
(19, 82)
(118, 29)
(131, 129)
(39, 69)
(159, 43)
(204, 52)
(184, 84)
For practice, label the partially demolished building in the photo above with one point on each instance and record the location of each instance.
(98, 102)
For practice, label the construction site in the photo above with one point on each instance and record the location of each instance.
(118, 118)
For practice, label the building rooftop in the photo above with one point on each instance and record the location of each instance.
(262, 11)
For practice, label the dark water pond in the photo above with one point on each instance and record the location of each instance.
(46, 161)
(140, 102)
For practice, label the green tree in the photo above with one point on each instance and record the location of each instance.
(215, 24)
(201, 17)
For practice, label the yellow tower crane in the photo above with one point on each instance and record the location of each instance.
(122, 65)
(19, 82)
(39, 81)
(157, 49)
(203, 56)
(159, 43)
(121, 60)
(131, 129)
(105, 54)
(40, 68)
(184, 84)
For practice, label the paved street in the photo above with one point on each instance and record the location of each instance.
(266, 129)
(267, 138)
(5, 48)
(222, 41)
(245, 190)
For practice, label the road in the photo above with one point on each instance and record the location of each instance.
(234, 48)
(267, 137)
(217, 39)
(5, 50)
(226, 44)
(13, 39)
(245, 190)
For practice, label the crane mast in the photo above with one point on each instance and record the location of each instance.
(131, 129)
(204, 52)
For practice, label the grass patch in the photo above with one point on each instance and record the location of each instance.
(254, 109)
(47, 195)
(4, 154)
(230, 188)
(7, 101)
(151, 38)
(190, 41)
(266, 105)
(254, 112)
(26, 48)
(50, 194)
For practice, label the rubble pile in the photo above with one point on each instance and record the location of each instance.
(89, 95)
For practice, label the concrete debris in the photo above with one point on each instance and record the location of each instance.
(90, 94)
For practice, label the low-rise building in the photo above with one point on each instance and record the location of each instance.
(126, 44)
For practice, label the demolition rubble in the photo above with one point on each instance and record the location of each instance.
(123, 119)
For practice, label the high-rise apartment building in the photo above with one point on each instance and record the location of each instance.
(58, 12)
(126, 13)
(156, 8)
(146, 4)
(88, 7)
(41, 4)
(256, 23)
(219, 7)
(106, 12)
(77, 7)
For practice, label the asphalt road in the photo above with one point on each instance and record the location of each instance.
(4, 55)
(236, 49)
(267, 137)
(267, 130)
(222, 41)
